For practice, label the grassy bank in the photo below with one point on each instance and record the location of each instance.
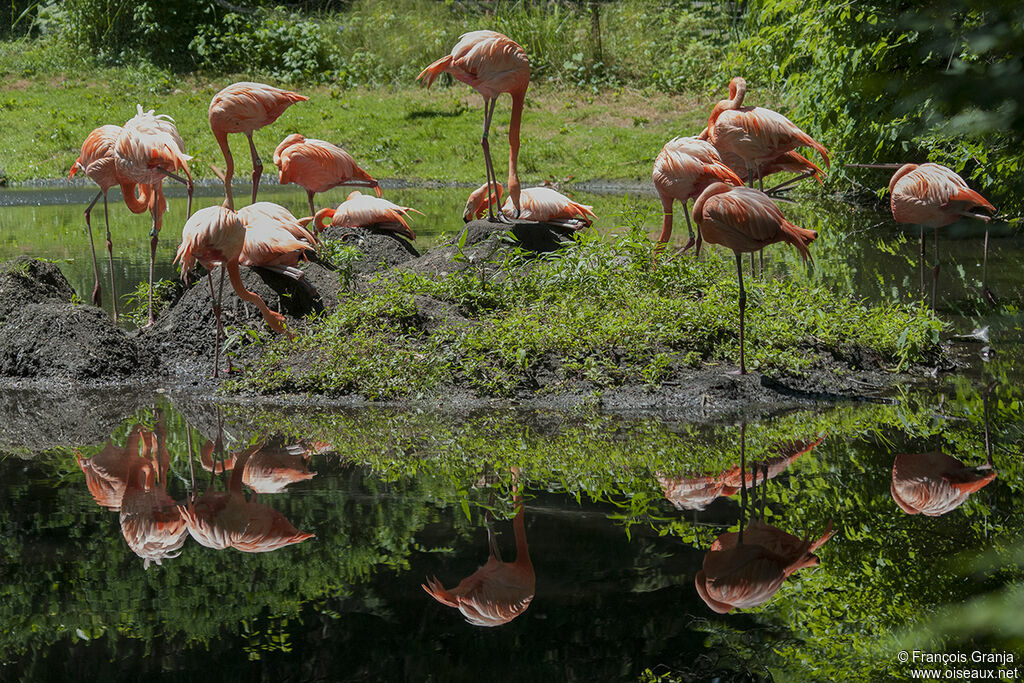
(595, 315)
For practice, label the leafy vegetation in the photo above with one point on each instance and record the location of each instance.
(595, 313)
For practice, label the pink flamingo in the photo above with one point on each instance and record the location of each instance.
(492, 64)
(683, 169)
(318, 166)
(757, 135)
(215, 236)
(934, 483)
(745, 220)
(222, 520)
(540, 204)
(933, 196)
(244, 108)
(499, 591)
(274, 239)
(363, 211)
(149, 149)
(270, 469)
(97, 161)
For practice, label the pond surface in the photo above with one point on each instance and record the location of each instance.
(286, 544)
(304, 554)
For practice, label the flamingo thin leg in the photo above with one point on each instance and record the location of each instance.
(110, 257)
(743, 307)
(935, 269)
(257, 167)
(97, 299)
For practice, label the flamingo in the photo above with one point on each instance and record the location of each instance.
(222, 520)
(743, 571)
(935, 483)
(107, 472)
(216, 236)
(363, 211)
(318, 166)
(97, 161)
(696, 493)
(491, 64)
(499, 591)
(683, 169)
(757, 135)
(274, 239)
(246, 107)
(150, 521)
(789, 162)
(933, 196)
(270, 469)
(745, 220)
(149, 149)
(541, 204)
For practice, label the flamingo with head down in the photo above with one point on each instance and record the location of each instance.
(540, 204)
(318, 166)
(363, 211)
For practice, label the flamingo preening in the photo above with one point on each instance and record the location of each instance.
(491, 64)
(97, 161)
(244, 108)
(147, 150)
(215, 236)
(933, 196)
(745, 220)
(684, 168)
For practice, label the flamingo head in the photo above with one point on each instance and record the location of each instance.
(479, 200)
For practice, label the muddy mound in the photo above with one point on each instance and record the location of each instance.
(28, 281)
(44, 335)
(183, 334)
(485, 242)
(380, 249)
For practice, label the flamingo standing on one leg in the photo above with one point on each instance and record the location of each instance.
(97, 160)
(745, 220)
(149, 149)
(932, 195)
(244, 108)
(318, 166)
(540, 204)
(492, 64)
(215, 236)
(363, 211)
(683, 169)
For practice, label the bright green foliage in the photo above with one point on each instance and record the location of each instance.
(883, 82)
(596, 311)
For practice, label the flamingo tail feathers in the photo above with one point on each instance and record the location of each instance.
(798, 237)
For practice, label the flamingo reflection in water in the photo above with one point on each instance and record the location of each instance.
(499, 591)
(934, 483)
(226, 519)
(696, 493)
(270, 469)
(746, 568)
(133, 480)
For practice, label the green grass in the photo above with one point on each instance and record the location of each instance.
(597, 313)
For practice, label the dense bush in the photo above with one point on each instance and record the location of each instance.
(884, 81)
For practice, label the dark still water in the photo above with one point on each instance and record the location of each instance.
(291, 545)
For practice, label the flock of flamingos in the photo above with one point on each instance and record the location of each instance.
(740, 144)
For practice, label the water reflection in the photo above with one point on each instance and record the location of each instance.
(696, 493)
(133, 480)
(269, 469)
(934, 483)
(499, 591)
(227, 519)
(746, 568)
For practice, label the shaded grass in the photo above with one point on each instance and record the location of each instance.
(595, 313)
